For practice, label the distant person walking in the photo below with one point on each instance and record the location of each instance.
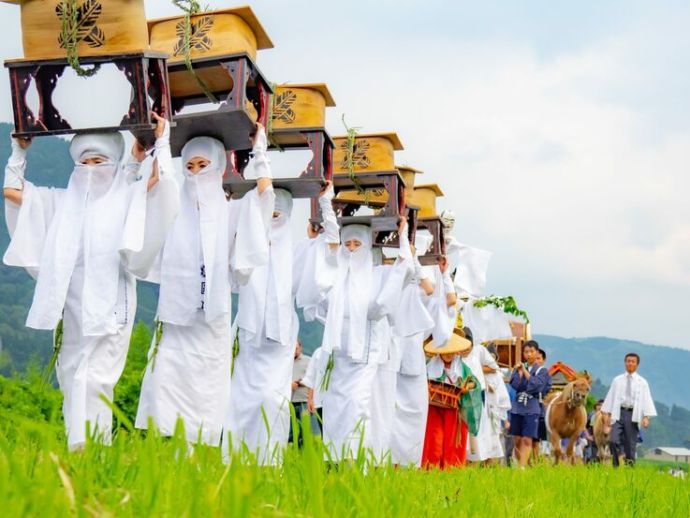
(628, 405)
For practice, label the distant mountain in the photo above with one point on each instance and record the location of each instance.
(665, 368)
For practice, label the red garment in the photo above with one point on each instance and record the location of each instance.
(440, 448)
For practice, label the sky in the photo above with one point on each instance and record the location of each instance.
(558, 131)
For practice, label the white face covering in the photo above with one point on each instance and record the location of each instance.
(202, 224)
(91, 217)
(97, 178)
(351, 294)
(448, 221)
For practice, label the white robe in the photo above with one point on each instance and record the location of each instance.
(497, 407)
(188, 375)
(411, 392)
(88, 367)
(383, 394)
(313, 377)
(643, 404)
(485, 442)
(347, 402)
(259, 414)
(487, 323)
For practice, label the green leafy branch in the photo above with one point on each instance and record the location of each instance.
(506, 304)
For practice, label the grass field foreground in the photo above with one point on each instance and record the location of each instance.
(149, 476)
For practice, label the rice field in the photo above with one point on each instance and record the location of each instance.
(149, 476)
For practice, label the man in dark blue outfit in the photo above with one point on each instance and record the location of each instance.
(529, 382)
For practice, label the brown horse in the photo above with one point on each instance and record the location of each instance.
(601, 436)
(566, 416)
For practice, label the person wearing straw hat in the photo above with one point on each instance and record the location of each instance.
(85, 245)
(445, 445)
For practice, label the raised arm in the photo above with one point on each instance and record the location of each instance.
(331, 230)
(391, 289)
(260, 168)
(154, 205)
(14, 171)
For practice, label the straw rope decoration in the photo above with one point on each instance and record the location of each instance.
(57, 347)
(235, 351)
(326, 380)
(192, 7)
(79, 23)
(350, 159)
(269, 119)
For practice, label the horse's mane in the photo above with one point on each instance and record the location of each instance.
(567, 393)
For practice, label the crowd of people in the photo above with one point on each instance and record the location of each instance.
(391, 326)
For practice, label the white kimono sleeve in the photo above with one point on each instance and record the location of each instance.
(314, 272)
(28, 225)
(644, 406)
(250, 218)
(150, 216)
(392, 282)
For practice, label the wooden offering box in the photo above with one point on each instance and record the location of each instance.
(298, 108)
(214, 34)
(510, 349)
(424, 197)
(509, 352)
(104, 27)
(409, 175)
(223, 48)
(371, 153)
(307, 185)
(145, 71)
(298, 119)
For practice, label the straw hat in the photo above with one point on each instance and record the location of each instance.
(457, 343)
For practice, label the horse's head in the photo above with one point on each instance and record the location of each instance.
(580, 391)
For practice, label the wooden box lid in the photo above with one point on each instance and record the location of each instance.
(114, 27)
(372, 152)
(216, 33)
(424, 197)
(301, 106)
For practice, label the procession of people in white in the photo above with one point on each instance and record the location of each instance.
(229, 382)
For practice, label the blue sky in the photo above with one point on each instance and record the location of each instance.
(560, 132)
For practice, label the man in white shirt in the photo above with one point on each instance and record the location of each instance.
(628, 405)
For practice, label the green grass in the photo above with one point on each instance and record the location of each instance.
(149, 476)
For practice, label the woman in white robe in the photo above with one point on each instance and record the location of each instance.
(258, 415)
(427, 307)
(85, 244)
(360, 297)
(211, 243)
